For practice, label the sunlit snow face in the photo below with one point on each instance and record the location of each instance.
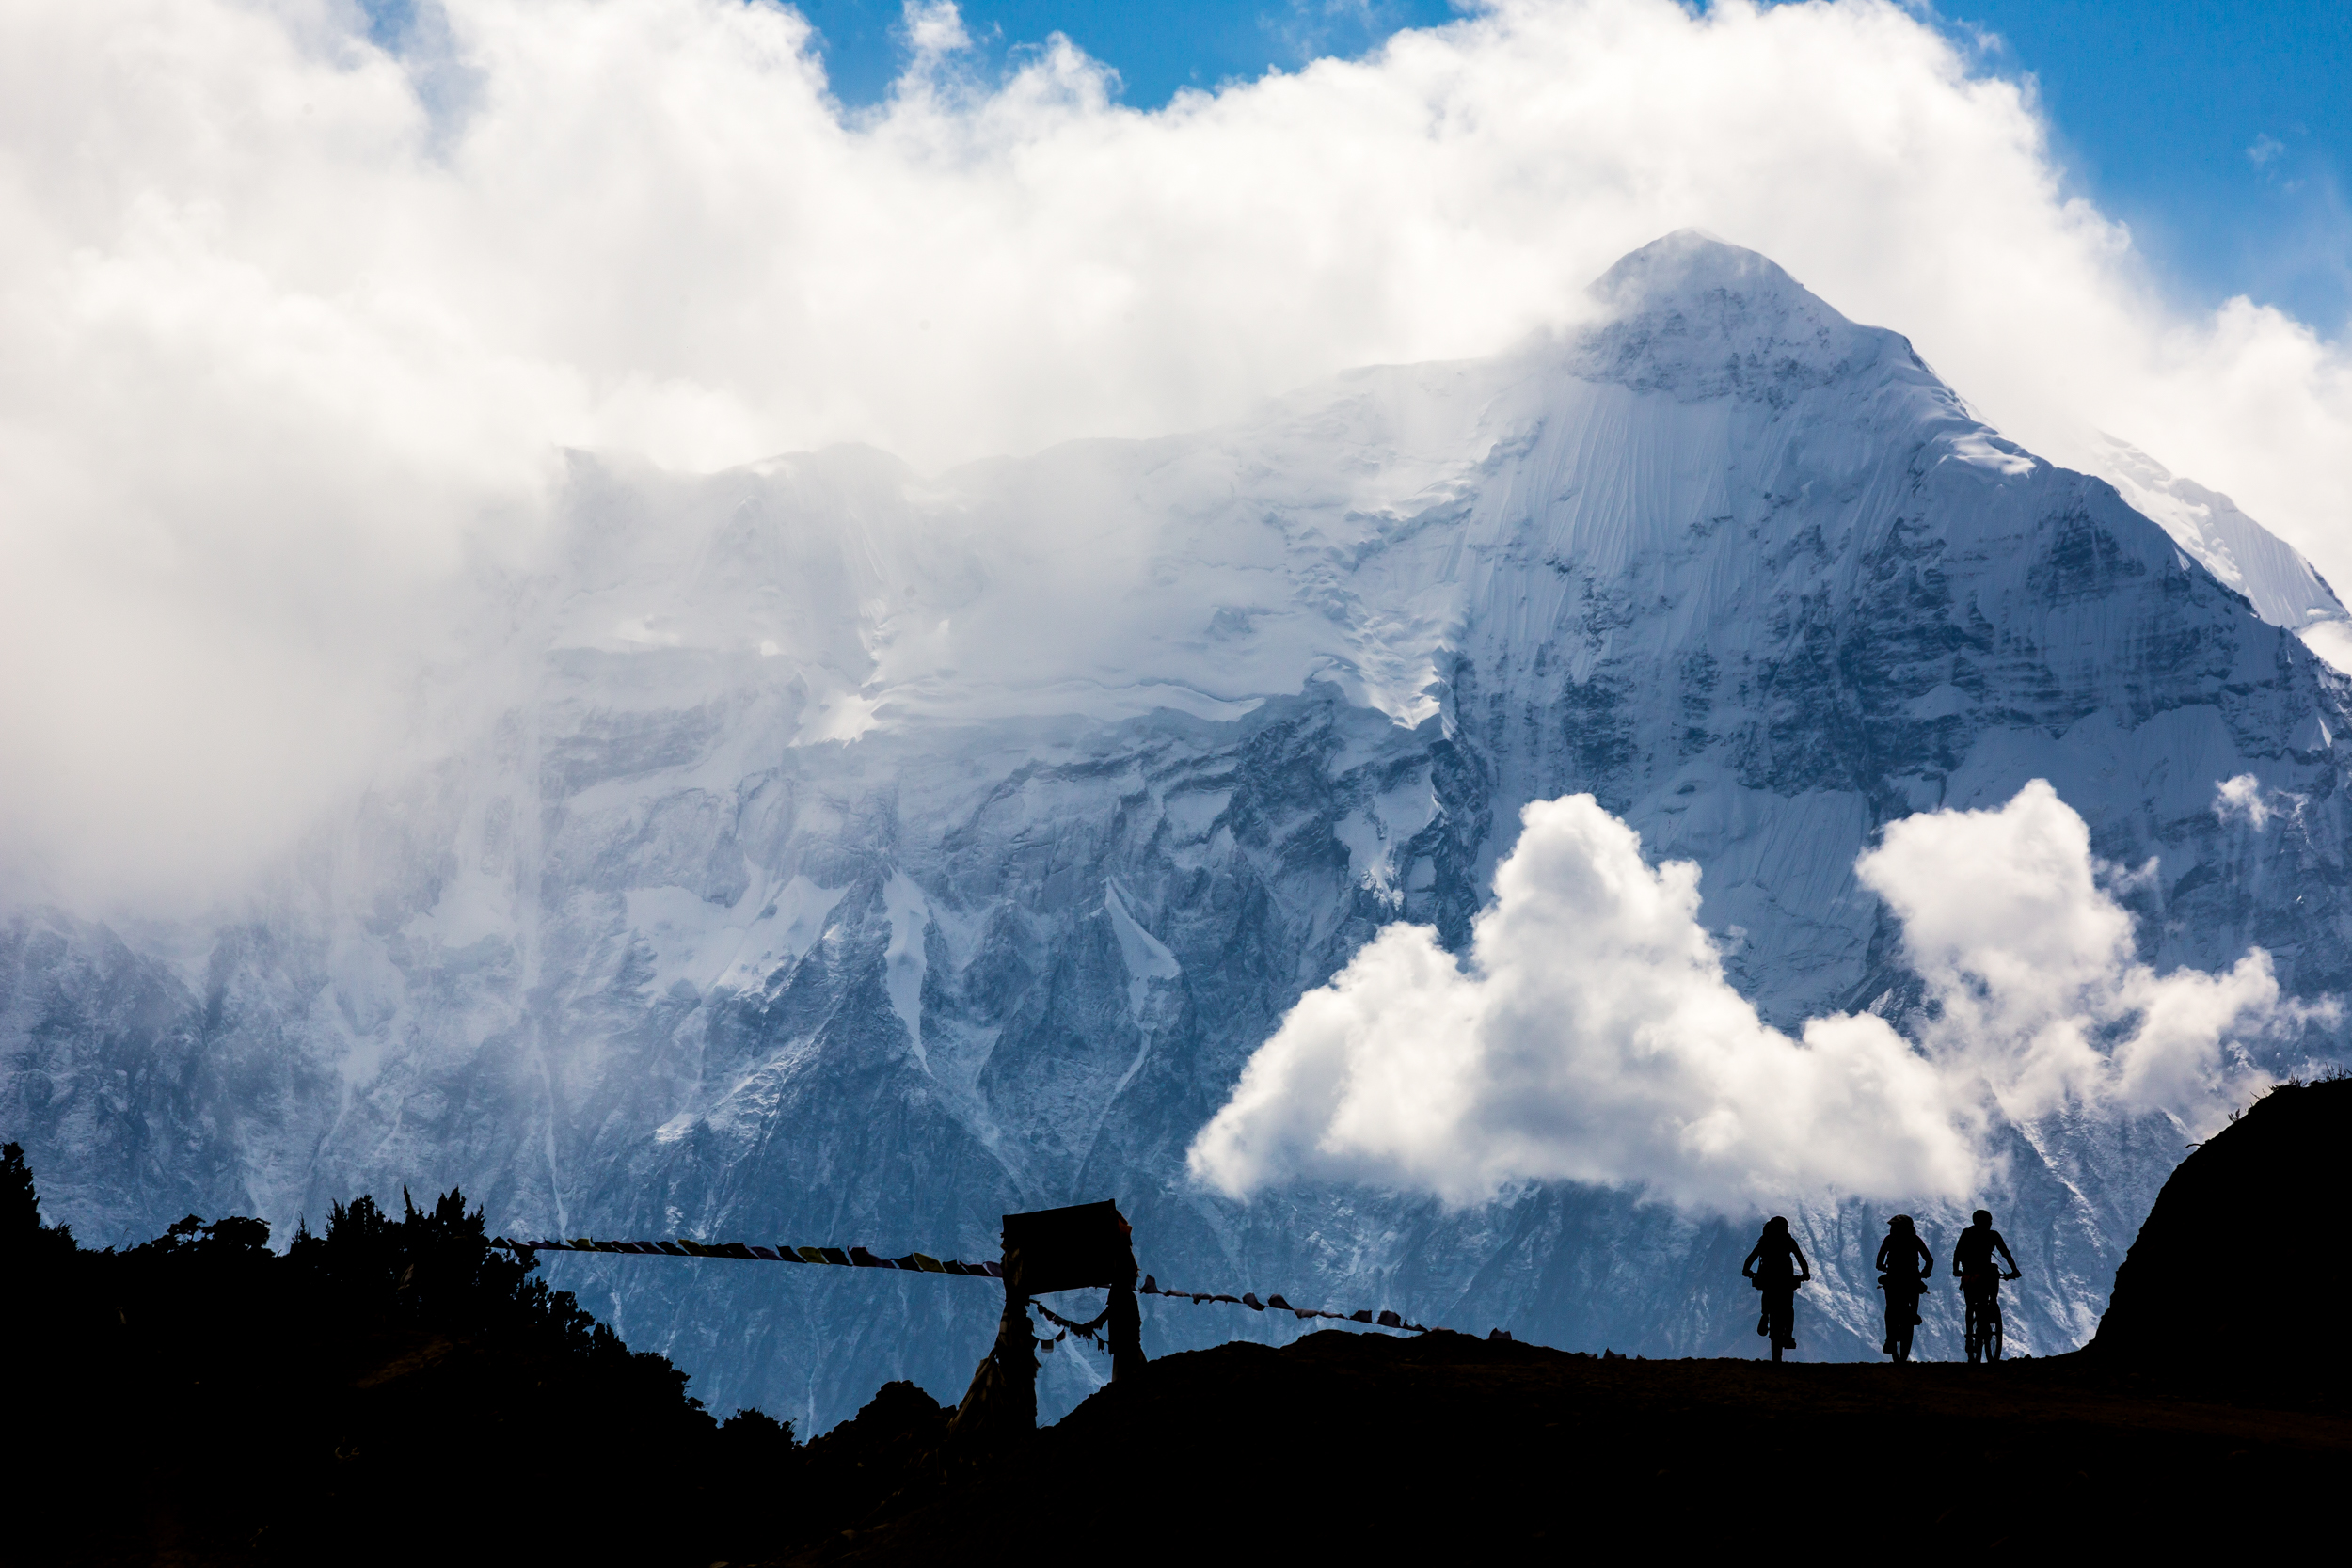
(296, 332)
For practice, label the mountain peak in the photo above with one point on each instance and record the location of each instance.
(1691, 264)
(1699, 317)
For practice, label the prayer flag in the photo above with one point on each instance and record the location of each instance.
(1249, 1299)
(765, 1253)
(1278, 1301)
(1388, 1320)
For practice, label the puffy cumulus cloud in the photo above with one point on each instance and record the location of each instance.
(292, 330)
(1591, 1034)
(2033, 971)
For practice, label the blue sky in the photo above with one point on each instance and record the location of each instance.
(2222, 133)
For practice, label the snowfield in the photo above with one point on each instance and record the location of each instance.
(829, 853)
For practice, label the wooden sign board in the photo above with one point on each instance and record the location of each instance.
(1063, 1249)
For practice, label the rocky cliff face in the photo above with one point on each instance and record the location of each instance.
(820, 852)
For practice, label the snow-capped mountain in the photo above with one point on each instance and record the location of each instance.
(2276, 581)
(824, 852)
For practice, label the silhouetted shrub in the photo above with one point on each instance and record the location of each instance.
(395, 1368)
(22, 1234)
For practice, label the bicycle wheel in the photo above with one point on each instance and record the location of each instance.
(1992, 1333)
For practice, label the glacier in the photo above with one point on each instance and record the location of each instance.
(826, 853)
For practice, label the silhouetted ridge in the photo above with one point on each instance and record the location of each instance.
(1349, 1447)
(2238, 1257)
(395, 1389)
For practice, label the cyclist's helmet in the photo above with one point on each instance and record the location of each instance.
(1982, 1217)
(1900, 1222)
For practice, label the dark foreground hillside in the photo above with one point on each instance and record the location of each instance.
(2239, 1270)
(2212, 1410)
(396, 1390)
(1349, 1443)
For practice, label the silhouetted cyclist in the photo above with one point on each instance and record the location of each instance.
(1776, 1266)
(1903, 1262)
(1980, 1284)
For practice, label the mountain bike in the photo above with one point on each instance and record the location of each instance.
(1981, 1334)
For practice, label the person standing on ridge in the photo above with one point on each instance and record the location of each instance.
(1903, 1264)
(1981, 1282)
(1776, 1266)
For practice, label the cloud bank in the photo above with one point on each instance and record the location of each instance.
(293, 330)
(1591, 1035)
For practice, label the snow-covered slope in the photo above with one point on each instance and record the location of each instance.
(2283, 587)
(819, 852)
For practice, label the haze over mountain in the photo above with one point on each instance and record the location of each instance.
(826, 853)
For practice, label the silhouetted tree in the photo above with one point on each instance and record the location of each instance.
(395, 1354)
(22, 1234)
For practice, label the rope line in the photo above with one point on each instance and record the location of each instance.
(1083, 1331)
(917, 1262)
(839, 1257)
(1382, 1319)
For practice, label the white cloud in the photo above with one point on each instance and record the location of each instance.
(2033, 970)
(291, 330)
(2242, 797)
(935, 29)
(1591, 1035)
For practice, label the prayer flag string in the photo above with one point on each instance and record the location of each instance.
(851, 1258)
(917, 1262)
(1382, 1319)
